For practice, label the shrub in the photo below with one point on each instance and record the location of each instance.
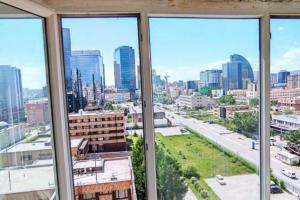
(204, 194)
(190, 172)
(194, 180)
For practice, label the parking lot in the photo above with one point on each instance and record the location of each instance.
(242, 187)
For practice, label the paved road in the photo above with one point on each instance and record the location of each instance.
(217, 134)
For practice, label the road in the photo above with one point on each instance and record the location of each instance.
(238, 144)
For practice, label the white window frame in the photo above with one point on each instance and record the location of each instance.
(263, 10)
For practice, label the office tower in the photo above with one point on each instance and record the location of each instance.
(191, 85)
(211, 79)
(282, 76)
(67, 58)
(237, 73)
(273, 79)
(124, 68)
(11, 97)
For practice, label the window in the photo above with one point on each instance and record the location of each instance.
(101, 58)
(205, 85)
(26, 151)
(285, 107)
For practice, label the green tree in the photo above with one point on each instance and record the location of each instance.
(190, 172)
(109, 105)
(293, 136)
(288, 112)
(254, 102)
(138, 164)
(227, 100)
(274, 102)
(246, 122)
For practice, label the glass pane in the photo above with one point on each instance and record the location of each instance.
(26, 151)
(102, 73)
(205, 91)
(285, 108)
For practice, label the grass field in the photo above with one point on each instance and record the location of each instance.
(207, 158)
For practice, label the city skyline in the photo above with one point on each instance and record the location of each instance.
(285, 52)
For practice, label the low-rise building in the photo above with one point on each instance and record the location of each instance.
(194, 101)
(287, 158)
(279, 93)
(108, 178)
(229, 111)
(22, 154)
(283, 123)
(37, 111)
(289, 103)
(105, 131)
(10, 135)
(118, 97)
(135, 113)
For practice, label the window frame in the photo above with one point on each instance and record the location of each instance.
(55, 66)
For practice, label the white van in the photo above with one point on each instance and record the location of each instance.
(288, 173)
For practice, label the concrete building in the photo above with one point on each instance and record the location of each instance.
(38, 112)
(228, 112)
(289, 103)
(137, 116)
(11, 135)
(105, 131)
(118, 97)
(22, 154)
(284, 123)
(293, 81)
(109, 178)
(279, 93)
(194, 101)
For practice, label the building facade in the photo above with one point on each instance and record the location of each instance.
(124, 68)
(282, 76)
(11, 96)
(194, 101)
(67, 58)
(38, 112)
(211, 79)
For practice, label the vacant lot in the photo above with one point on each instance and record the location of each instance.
(208, 159)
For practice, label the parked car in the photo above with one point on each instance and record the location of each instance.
(220, 179)
(275, 189)
(288, 173)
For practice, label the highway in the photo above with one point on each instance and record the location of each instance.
(237, 144)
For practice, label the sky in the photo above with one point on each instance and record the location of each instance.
(180, 47)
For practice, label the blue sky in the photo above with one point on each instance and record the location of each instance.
(179, 47)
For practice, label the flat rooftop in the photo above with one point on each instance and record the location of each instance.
(25, 180)
(87, 163)
(76, 142)
(287, 118)
(92, 113)
(32, 146)
(118, 167)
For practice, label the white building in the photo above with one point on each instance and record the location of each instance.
(11, 135)
(194, 101)
(285, 122)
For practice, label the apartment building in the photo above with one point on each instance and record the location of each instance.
(105, 131)
(194, 101)
(289, 103)
(278, 93)
(228, 112)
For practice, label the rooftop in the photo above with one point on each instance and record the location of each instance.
(32, 146)
(76, 142)
(88, 163)
(138, 110)
(28, 179)
(94, 113)
(287, 118)
(119, 168)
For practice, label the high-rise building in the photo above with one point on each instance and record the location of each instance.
(273, 79)
(67, 58)
(192, 85)
(282, 76)
(89, 62)
(237, 73)
(11, 97)
(211, 78)
(124, 68)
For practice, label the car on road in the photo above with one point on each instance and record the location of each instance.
(220, 179)
(288, 173)
(275, 189)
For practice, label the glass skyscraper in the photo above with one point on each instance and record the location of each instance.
(282, 76)
(11, 96)
(67, 58)
(237, 73)
(124, 68)
(89, 63)
(211, 78)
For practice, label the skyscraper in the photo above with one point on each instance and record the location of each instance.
(237, 73)
(211, 79)
(11, 96)
(124, 68)
(67, 58)
(282, 76)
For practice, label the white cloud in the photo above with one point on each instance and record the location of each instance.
(280, 28)
(290, 60)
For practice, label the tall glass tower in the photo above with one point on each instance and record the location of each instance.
(67, 58)
(11, 96)
(124, 68)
